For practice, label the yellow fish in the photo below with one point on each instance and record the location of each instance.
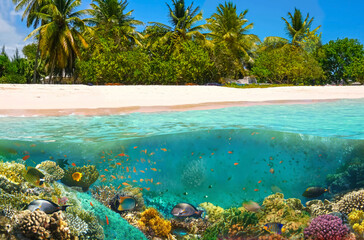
(34, 176)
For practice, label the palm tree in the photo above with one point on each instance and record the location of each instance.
(109, 13)
(60, 35)
(183, 26)
(229, 34)
(298, 28)
(31, 7)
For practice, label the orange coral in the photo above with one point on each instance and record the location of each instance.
(272, 237)
(152, 221)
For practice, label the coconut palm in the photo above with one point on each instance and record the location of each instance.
(183, 27)
(229, 34)
(31, 7)
(60, 35)
(110, 13)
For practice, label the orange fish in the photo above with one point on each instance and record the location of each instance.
(273, 138)
(134, 170)
(141, 180)
(125, 184)
(147, 188)
(244, 188)
(320, 155)
(158, 183)
(65, 155)
(103, 180)
(127, 169)
(280, 161)
(253, 133)
(102, 176)
(212, 153)
(135, 147)
(151, 180)
(270, 158)
(271, 170)
(119, 186)
(154, 169)
(113, 176)
(107, 220)
(134, 180)
(144, 151)
(230, 152)
(141, 189)
(121, 154)
(118, 163)
(73, 164)
(121, 177)
(212, 170)
(256, 190)
(103, 157)
(129, 176)
(26, 157)
(259, 181)
(236, 163)
(91, 204)
(106, 170)
(164, 149)
(141, 171)
(200, 157)
(33, 145)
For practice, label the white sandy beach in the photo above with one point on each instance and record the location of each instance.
(92, 100)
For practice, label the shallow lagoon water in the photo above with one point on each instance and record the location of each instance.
(224, 156)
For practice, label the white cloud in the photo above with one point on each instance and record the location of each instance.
(11, 34)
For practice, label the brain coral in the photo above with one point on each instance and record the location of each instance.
(351, 201)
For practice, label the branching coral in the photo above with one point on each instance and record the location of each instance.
(289, 212)
(326, 227)
(77, 226)
(214, 213)
(51, 170)
(153, 224)
(89, 176)
(351, 201)
(12, 171)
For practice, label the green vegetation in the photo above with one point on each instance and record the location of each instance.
(107, 48)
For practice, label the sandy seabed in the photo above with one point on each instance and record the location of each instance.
(30, 100)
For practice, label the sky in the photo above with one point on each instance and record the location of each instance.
(338, 18)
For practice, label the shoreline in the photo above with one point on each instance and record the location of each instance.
(60, 100)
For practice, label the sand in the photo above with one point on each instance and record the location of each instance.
(25, 100)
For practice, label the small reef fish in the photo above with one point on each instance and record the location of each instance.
(259, 181)
(180, 232)
(113, 176)
(107, 220)
(236, 163)
(91, 204)
(122, 155)
(271, 170)
(164, 149)
(26, 157)
(45, 206)
(123, 203)
(73, 164)
(230, 152)
(256, 190)
(276, 189)
(118, 163)
(154, 169)
(76, 176)
(274, 228)
(34, 177)
(186, 210)
(135, 147)
(251, 206)
(102, 176)
(125, 184)
(313, 192)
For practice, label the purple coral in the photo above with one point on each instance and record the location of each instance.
(326, 227)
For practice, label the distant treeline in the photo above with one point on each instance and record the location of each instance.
(106, 48)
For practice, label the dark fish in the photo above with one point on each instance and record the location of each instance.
(123, 203)
(274, 228)
(313, 192)
(186, 210)
(34, 176)
(45, 206)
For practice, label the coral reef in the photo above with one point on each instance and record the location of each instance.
(326, 227)
(12, 171)
(317, 207)
(77, 226)
(274, 236)
(6, 228)
(51, 171)
(33, 224)
(191, 225)
(350, 201)
(213, 213)
(356, 220)
(89, 176)
(234, 222)
(350, 176)
(152, 224)
(291, 213)
(59, 227)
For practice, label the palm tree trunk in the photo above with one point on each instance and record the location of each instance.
(36, 61)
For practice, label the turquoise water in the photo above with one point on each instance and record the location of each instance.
(223, 156)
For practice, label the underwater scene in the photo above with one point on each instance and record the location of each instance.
(259, 172)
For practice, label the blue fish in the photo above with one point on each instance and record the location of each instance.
(274, 228)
